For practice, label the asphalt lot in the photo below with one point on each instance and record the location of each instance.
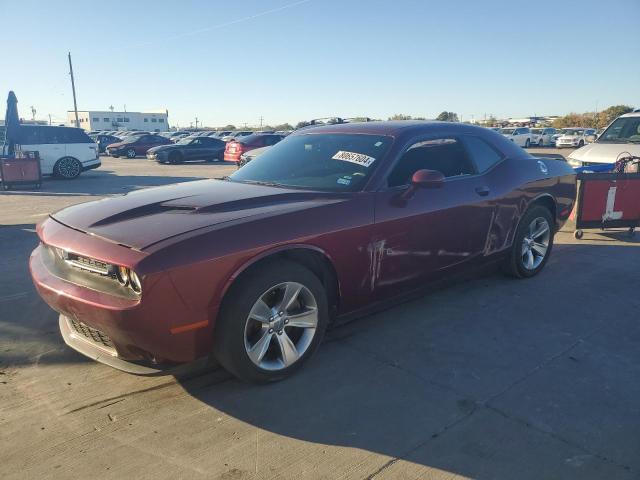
(489, 378)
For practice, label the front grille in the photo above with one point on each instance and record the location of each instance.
(91, 334)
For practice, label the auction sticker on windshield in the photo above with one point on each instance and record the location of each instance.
(357, 158)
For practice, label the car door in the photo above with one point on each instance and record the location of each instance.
(144, 143)
(195, 150)
(422, 232)
(212, 148)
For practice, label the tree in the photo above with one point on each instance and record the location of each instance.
(302, 124)
(283, 126)
(610, 114)
(448, 117)
(228, 127)
(400, 116)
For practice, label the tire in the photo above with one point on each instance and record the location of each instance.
(131, 153)
(518, 263)
(580, 144)
(115, 156)
(527, 143)
(541, 142)
(67, 168)
(175, 158)
(237, 332)
(578, 234)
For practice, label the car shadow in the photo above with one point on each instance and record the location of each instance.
(432, 381)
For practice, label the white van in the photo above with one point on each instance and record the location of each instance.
(64, 152)
(621, 138)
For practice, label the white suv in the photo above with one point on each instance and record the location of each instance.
(520, 135)
(620, 139)
(574, 137)
(543, 136)
(64, 152)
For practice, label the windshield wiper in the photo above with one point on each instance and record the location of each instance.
(265, 183)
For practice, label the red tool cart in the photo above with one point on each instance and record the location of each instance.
(606, 200)
(21, 169)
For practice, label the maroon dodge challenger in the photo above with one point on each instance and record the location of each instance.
(327, 224)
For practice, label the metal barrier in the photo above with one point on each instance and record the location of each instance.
(606, 200)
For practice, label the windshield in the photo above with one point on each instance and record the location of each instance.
(327, 162)
(507, 131)
(184, 141)
(130, 139)
(571, 133)
(622, 130)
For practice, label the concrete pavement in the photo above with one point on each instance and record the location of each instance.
(488, 378)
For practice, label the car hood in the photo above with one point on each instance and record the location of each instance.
(142, 218)
(604, 152)
(161, 148)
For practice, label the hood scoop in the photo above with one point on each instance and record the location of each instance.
(143, 211)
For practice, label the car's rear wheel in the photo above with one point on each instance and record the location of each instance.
(131, 153)
(527, 143)
(271, 322)
(541, 142)
(532, 244)
(67, 168)
(175, 158)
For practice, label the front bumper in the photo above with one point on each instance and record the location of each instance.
(146, 334)
(566, 143)
(91, 164)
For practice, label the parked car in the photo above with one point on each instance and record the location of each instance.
(65, 152)
(179, 136)
(574, 137)
(136, 145)
(543, 137)
(103, 140)
(251, 155)
(237, 135)
(520, 135)
(223, 133)
(621, 137)
(190, 148)
(238, 146)
(327, 224)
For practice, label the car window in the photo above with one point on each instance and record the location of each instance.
(483, 155)
(272, 139)
(29, 136)
(445, 155)
(325, 161)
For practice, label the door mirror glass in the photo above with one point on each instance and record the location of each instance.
(427, 179)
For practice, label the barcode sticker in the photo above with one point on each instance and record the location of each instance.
(357, 158)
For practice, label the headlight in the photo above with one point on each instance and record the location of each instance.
(128, 278)
(134, 282)
(122, 274)
(574, 163)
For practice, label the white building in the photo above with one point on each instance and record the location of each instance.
(108, 120)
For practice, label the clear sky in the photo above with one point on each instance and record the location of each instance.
(286, 60)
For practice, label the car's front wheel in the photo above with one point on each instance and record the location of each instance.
(67, 168)
(532, 243)
(527, 143)
(175, 158)
(541, 142)
(271, 322)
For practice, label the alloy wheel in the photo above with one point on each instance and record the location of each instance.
(69, 167)
(131, 153)
(535, 243)
(281, 326)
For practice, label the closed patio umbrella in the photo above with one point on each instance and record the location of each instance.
(11, 123)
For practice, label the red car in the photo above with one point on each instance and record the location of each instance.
(136, 145)
(235, 148)
(331, 222)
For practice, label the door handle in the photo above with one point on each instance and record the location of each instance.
(483, 191)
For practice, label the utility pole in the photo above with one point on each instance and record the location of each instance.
(196, 123)
(49, 119)
(261, 119)
(73, 89)
(33, 113)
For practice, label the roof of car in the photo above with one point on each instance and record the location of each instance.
(635, 113)
(392, 127)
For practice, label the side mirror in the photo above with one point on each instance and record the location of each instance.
(427, 179)
(423, 179)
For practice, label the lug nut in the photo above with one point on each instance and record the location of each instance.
(271, 330)
(280, 332)
(286, 321)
